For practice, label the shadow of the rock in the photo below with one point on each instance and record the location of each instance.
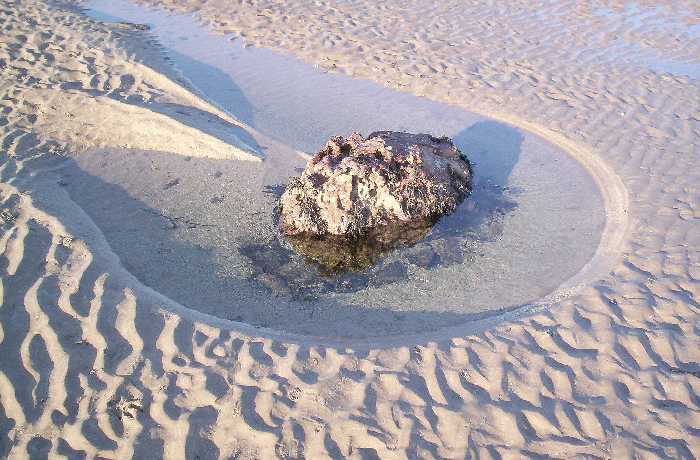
(494, 149)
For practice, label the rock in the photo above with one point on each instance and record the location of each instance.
(337, 254)
(358, 197)
(354, 185)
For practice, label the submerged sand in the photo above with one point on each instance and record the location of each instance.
(97, 363)
(202, 231)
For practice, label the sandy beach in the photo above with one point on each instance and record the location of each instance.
(150, 308)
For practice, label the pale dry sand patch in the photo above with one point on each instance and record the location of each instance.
(95, 364)
(77, 121)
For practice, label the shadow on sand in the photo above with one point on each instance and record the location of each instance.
(210, 80)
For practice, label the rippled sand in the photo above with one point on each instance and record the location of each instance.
(96, 364)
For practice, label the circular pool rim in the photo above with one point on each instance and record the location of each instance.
(615, 201)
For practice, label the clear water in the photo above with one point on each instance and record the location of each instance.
(533, 221)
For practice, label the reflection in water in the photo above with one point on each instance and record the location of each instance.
(335, 254)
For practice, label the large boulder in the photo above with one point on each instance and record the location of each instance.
(387, 189)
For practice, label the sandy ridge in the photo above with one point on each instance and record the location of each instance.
(130, 127)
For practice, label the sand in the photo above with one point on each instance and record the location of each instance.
(95, 363)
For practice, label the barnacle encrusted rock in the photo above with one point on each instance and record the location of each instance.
(355, 187)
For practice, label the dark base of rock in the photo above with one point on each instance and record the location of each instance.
(334, 254)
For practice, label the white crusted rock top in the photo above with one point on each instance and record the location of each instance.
(356, 186)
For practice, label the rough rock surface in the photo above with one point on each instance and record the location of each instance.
(356, 187)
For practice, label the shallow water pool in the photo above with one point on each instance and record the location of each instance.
(534, 220)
